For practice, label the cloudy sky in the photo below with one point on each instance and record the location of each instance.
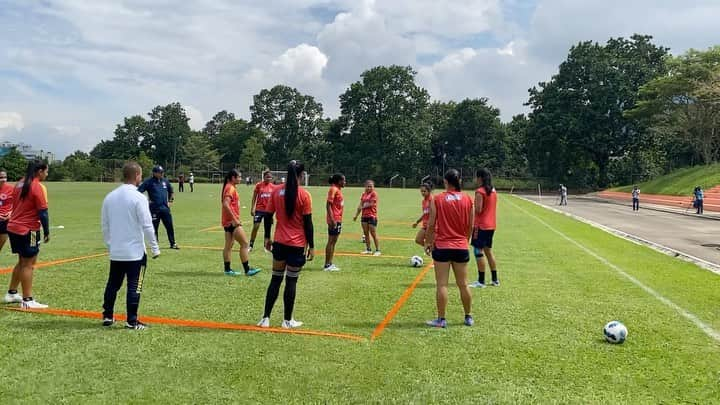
(70, 70)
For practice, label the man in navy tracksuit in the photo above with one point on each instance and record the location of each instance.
(161, 196)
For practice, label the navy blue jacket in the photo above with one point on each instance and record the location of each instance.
(160, 192)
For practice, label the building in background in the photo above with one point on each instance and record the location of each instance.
(27, 151)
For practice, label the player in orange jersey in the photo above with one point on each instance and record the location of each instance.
(261, 196)
(484, 227)
(426, 192)
(233, 227)
(6, 205)
(369, 219)
(334, 207)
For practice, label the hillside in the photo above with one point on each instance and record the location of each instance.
(680, 182)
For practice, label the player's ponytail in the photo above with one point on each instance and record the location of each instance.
(452, 176)
(232, 173)
(336, 178)
(295, 170)
(486, 177)
(32, 171)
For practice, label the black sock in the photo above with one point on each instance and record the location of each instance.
(493, 275)
(252, 242)
(227, 266)
(289, 296)
(442, 319)
(246, 266)
(481, 277)
(12, 292)
(26, 299)
(272, 293)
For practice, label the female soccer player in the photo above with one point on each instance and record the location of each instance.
(484, 227)
(426, 192)
(258, 210)
(233, 227)
(368, 208)
(449, 230)
(294, 243)
(30, 211)
(6, 205)
(334, 207)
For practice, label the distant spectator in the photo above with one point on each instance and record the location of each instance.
(698, 199)
(181, 183)
(563, 194)
(192, 182)
(636, 198)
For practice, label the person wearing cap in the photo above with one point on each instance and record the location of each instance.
(161, 195)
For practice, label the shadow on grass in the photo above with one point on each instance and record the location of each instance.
(61, 324)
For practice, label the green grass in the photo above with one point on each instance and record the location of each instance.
(680, 182)
(537, 338)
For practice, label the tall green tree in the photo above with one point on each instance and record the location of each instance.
(198, 151)
(214, 126)
(252, 157)
(14, 164)
(232, 138)
(169, 131)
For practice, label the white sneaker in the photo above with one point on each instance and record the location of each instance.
(377, 253)
(32, 305)
(476, 284)
(291, 324)
(366, 252)
(331, 267)
(264, 323)
(12, 298)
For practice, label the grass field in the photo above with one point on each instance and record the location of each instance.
(680, 182)
(537, 338)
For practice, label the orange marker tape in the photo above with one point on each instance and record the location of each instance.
(56, 262)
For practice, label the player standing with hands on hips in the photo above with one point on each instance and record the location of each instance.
(126, 225)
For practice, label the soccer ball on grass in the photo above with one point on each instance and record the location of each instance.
(416, 261)
(615, 332)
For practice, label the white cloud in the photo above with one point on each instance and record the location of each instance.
(304, 62)
(197, 119)
(11, 120)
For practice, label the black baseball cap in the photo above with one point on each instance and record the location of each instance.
(158, 169)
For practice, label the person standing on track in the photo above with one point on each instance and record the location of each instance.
(369, 220)
(233, 227)
(334, 213)
(6, 206)
(161, 196)
(449, 230)
(484, 225)
(636, 198)
(126, 225)
(30, 213)
(258, 207)
(698, 199)
(563, 194)
(426, 192)
(294, 243)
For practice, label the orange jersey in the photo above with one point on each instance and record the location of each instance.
(24, 217)
(289, 230)
(229, 191)
(453, 210)
(335, 198)
(263, 191)
(486, 219)
(6, 199)
(426, 211)
(371, 200)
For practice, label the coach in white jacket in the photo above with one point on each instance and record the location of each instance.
(126, 224)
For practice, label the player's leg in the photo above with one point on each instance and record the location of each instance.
(240, 236)
(256, 226)
(278, 274)
(295, 262)
(166, 218)
(366, 237)
(373, 232)
(227, 251)
(460, 269)
(420, 237)
(442, 274)
(267, 223)
(156, 222)
(115, 280)
(134, 271)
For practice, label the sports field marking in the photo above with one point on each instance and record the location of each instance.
(351, 235)
(686, 314)
(212, 228)
(193, 323)
(318, 254)
(56, 262)
(399, 303)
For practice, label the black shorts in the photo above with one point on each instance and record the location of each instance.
(369, 220)
(482, 238)
(260, 215)
(3, 227)
(336, 230)
(27, 245)
(230, 228)
(451, 255)
(293, 256)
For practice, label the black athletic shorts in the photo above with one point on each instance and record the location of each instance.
(336, 230)
(369, 220)
(293, 256)
(3, 227)
(230, 228)
(451, 255)
(482, 238)
(260, 215)
(27, 245)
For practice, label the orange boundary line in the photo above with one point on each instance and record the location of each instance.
(193, 323)
(56, 262)
(319, 254)
(352, 235)
(211, 228)
(400, 302)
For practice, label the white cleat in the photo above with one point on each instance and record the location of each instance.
(476, 284)
(366, 252)
(377, 253)
(331, 267)
(291, 324)
(12, 298)
(264, 323)
(32, 305)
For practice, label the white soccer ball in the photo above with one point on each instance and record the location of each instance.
(615, 332)
(416, 261)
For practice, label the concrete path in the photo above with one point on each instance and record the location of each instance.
(697, 236)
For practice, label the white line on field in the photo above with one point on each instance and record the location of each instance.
(687, 315)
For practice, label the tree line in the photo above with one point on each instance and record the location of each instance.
(613, 113)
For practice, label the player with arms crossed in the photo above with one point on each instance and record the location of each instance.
(230, 219)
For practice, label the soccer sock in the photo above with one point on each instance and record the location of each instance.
(11, 292)
(252, 242)
(227, 266)
(481, 277)
(289, 296)
(246, 266)
(26, 299)
(272, 294)
(493, 275)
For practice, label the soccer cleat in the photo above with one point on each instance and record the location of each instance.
(476, 284)
(264, 323)
(495, 283)
(366, 252)
(108, 322)
(469, 321)
(231, 273)
(331, 267)
(437, 323)
(377, 253)
(291, 324)
(32, 305)
(252, 272)
(135, 326)
(174, 246)
(12, 298)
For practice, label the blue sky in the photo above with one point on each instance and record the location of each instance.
(71, 70)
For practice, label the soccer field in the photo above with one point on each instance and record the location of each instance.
(537, 338)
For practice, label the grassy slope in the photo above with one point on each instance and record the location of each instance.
(537, 338)
(680, 182)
